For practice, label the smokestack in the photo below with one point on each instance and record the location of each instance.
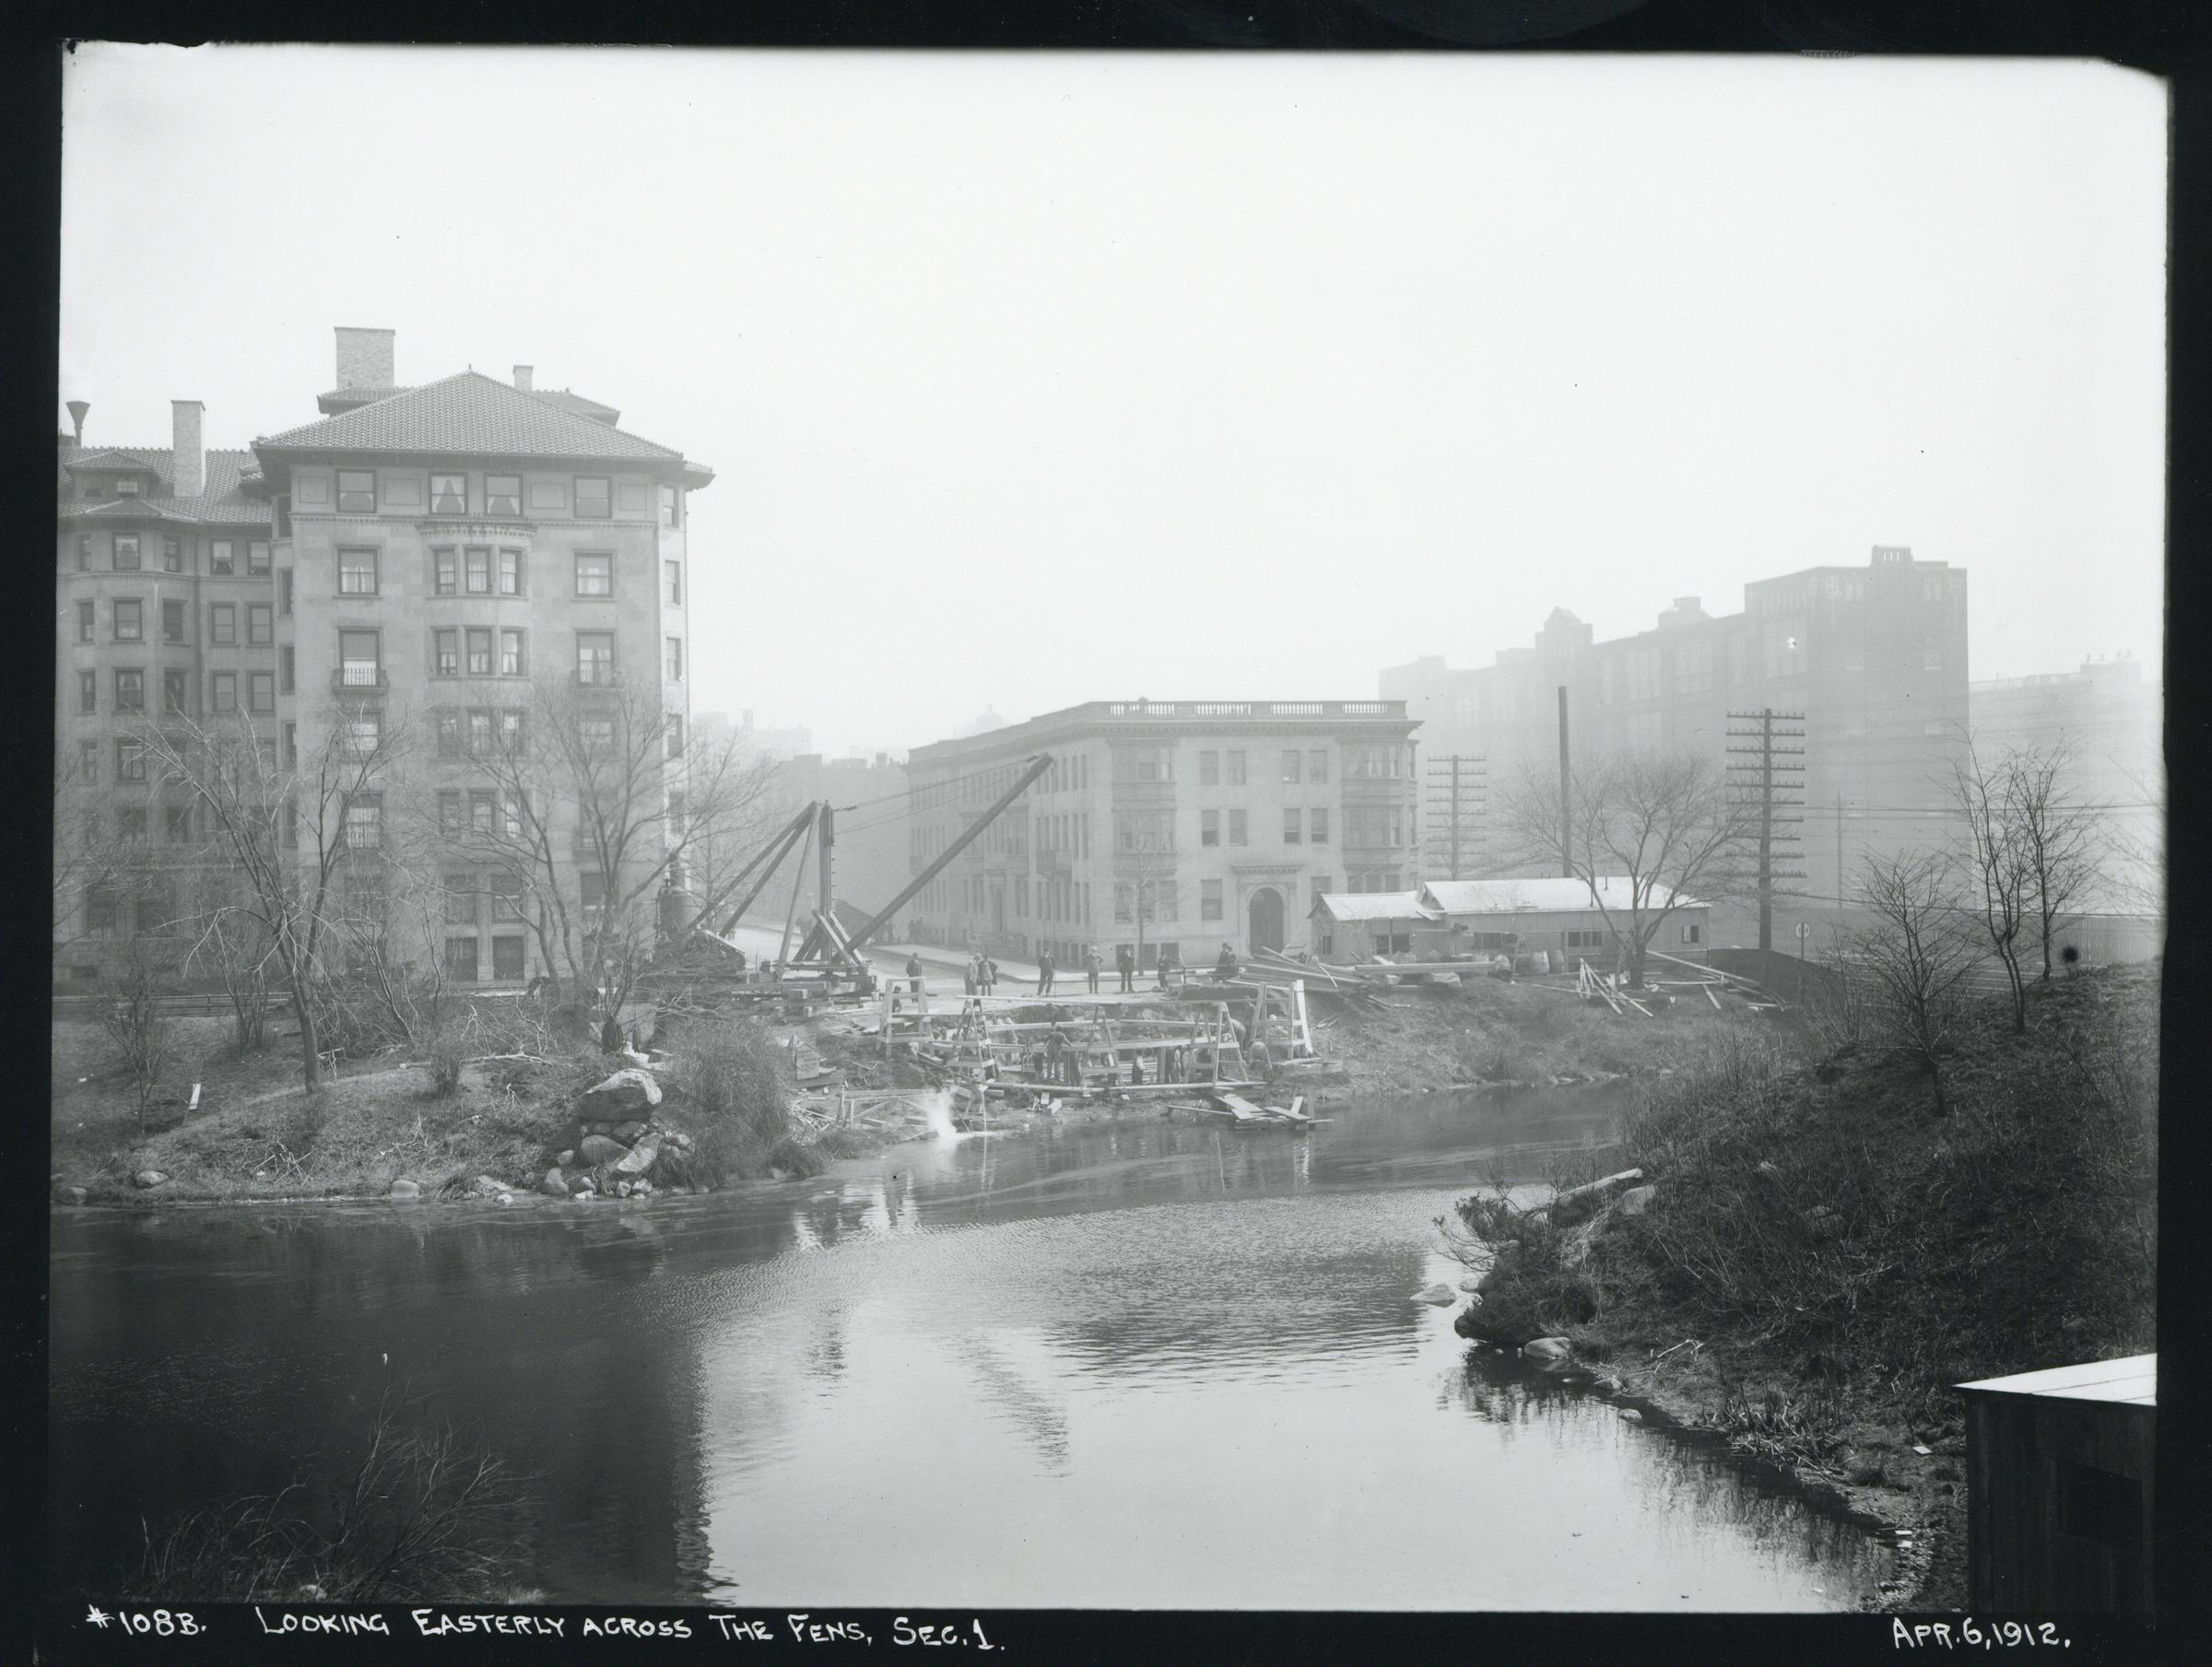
(77, 408)
(188, 456)
(522, 379)
(365, 358)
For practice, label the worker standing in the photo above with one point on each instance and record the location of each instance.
(969, 974)
(1093, 964)
(990, 975)
(1124, 963)
(914, 973)
(1044, 973)
(1225, 964)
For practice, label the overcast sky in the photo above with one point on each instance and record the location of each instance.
(1033, 378)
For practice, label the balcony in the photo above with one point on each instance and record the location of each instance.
(357, 678)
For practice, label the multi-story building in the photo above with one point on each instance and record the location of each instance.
(434, 555)
(1869, 660)
(1188, 823)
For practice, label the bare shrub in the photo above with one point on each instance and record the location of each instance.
(448, 1054)
(731, 1073)
(144, 1039)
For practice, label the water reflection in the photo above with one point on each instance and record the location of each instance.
(1189, 1355)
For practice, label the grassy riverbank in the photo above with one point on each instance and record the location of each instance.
(1492, 1032)
(1823, 1257)
(258, 1136)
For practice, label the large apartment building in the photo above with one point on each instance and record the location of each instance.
(1183, 823)
(423, 555)
(1870, 662)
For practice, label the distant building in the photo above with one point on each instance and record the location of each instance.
(1556, 919)
(1873, 657)
(1184, 823)
(870, 852)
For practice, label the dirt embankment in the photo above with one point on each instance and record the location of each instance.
(1811, 1256)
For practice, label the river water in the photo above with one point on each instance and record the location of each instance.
(1134, 1365)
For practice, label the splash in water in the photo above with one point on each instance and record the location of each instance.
(936, 1106)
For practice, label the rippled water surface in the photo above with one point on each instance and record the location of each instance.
(1144, 1365)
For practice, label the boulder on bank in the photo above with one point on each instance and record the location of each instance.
(69, 1195)
(1548, 1348)
(1579, 1204)
(1637, 1200)
(148, 1178)
(565, 1156)
(621, 1097)
(554, 1184)
(404, 1188)
(596, 1149)
(1439, 1294)
(627, 1133)
(639, 1159)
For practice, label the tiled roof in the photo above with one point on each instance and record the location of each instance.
(470, 413)
(221, 504)
(348, 399)
(581, 405)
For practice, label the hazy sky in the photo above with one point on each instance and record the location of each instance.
(1033, 378)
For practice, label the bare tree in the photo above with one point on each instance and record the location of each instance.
(1919, 949)
(85, 857)
(2059, 838)
(230, 940)
(1667, 824)
(1997, 876)
(289, 828)
(131, 1014)
(595, 808)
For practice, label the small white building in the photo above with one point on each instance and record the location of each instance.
(1559, 918)
(1360, 925)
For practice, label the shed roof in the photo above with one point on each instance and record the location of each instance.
(2132, 1380)
(1374, 906)
(1555, 894)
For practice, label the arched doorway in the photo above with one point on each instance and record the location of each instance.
(1266, 918)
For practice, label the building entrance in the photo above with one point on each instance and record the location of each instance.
(1266, 918)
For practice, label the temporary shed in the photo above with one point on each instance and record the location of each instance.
(2058, 1466)
(1559, 916)
(1363, 923)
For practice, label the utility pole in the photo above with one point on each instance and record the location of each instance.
(1566, 796)
(1457, 791)
(1774, 774)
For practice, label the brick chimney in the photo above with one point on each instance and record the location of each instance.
(522, 379)
(365, 358)
(188, 454)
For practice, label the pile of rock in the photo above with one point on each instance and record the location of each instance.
(618, 1144)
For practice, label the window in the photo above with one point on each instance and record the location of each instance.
(449, 494)
(357, 572)
(84, 552)
(590, 891)
(222, 623)
(100, 909)
(595, 573)
(1209, 769)
(365, 822)
(261, 691)
(1371, 825)
(128, 487)
(479, 729)
(87, 763)
(505, 898)
(513, 661)
(258, 558)
(172, 621)
(596, 735)
(1209, 900)
(172, 555)
(221, 560)
(510, 729)
(130, 823)
(130, 625)
(593, 497)
(282, 504)
(1587, 939)
(284, 590)
(675, 659)
(1318, 833)
(460, 900)
(1371, 760)
(479, 651)
(1293, 827)
(357, 491)
(291, 744)
(130, 691)
(176, 824)
(286, 683)
(595, 656)
(130, 761)
(507, 958)
(1234, 775)
(448, 732)
(1693, 933)
(1317, 764)
(511, 572)
(1237, 835)
(674, 734)
(1144, 763)
(479, 569)
(445, 654)
(445, 571)
(361, 660)
(673, 573)
(127, 552)
(1144, 830)
(502, 495)
(87, 628)
(449, 813)
(88, 691)
(222, 687)
(1209, 827)
(484, 811)
(461, 959)
(1293, 764)
(672, 507)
